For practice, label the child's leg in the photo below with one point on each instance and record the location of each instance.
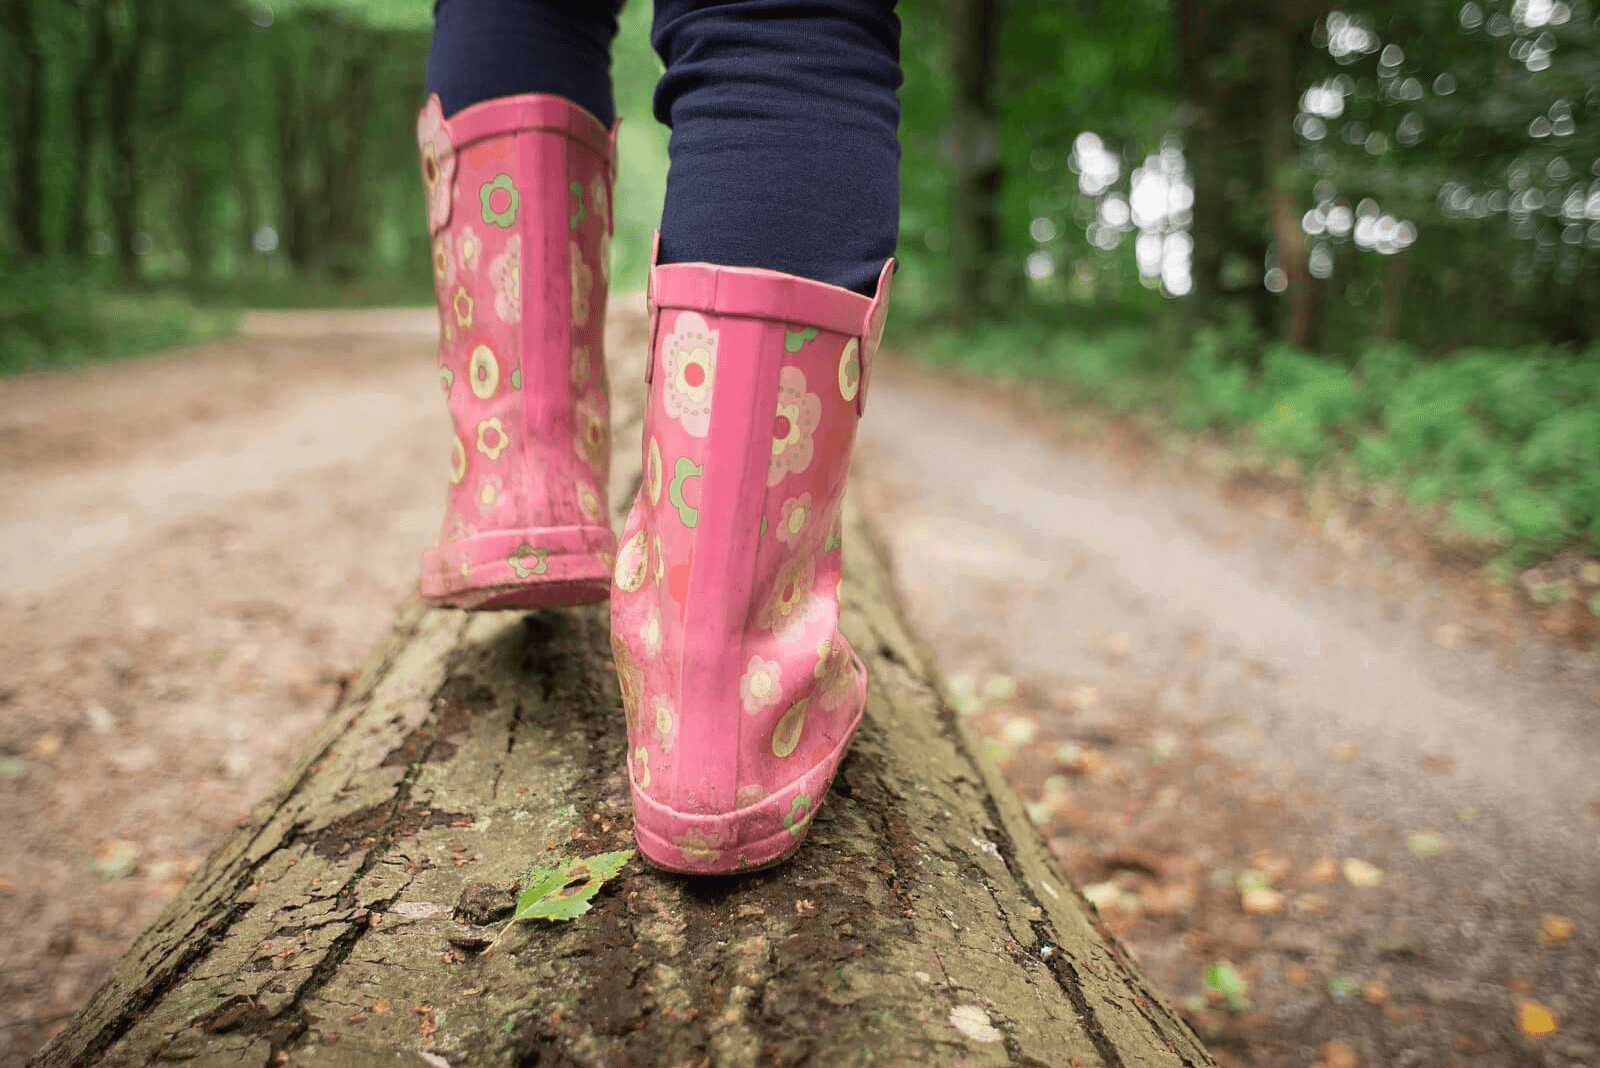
(483, 49)
(784, 148)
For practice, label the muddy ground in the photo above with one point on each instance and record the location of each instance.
(1255, 737)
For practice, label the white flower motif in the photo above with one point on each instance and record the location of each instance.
(786, 735)
(582, 282)
(492, 440)
(850, 370)
(824, 649)
(796, 419)
(796, 514)
(438, 162)
(470, 248)
(652, 471)
(600, 201)
(631, 563)
(641, 767)
(483, 372)
(592, 439)
(650, 631)
(444, 264)
(838, 676)
(689, 362)
(794, 603)
(588, 501)
(761, 684)
(666, 721)
(505, 274)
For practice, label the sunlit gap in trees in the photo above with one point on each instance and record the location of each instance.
(1158, 205)
(1378, 111)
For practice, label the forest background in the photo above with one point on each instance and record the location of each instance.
(1360, 244)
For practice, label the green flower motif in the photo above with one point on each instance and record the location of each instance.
(520, 557)
(763, 531)
(578, 216)
(500, 199)
(799, 815)
(516, 378)
(684, 470)
(793, 339)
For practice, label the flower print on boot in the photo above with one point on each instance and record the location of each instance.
(526, 520)
(740, 692)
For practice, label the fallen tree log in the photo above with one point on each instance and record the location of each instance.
(923, 924)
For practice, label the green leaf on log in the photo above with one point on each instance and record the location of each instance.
(564, 892)
(1224, 979)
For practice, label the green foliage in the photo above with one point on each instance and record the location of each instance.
(1503, 440)
(51, 319)
(641, 149)
(246, 153)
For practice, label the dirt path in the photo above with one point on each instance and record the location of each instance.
(196, 550)
(1210, 697)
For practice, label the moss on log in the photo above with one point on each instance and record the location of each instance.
(923, 924)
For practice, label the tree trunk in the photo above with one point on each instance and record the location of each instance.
(1289, 238)
(974, 144)
(244, 179)
(122, 100)
(1394, 293)
(344, 195)
(75, 239)
(1203, 148)
(294, 202)
(923, 923)
(27, 92)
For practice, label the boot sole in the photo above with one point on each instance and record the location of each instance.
(767, 852)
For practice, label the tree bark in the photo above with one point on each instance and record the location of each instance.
(1394, 294)
(293, 231)
(343, 923)
(1203, 146)
(27, 92)
(342, 160)
(122, 100)
(975, 238)
(1289, 239)
(75, 239)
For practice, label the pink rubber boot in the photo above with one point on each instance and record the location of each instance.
(519, 190)
(741, 693)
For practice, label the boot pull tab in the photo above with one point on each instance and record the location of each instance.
(872, 331)
(611, 177)
(650, 306)
(438, 154)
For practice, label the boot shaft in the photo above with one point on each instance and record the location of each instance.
(519, 212)
(739, 686)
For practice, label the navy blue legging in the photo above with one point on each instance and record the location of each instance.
(784, 150)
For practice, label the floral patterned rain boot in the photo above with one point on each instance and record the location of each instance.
(741, 693)
(521, 186)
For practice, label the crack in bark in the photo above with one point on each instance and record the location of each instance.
(388, 834)
(512, 727)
